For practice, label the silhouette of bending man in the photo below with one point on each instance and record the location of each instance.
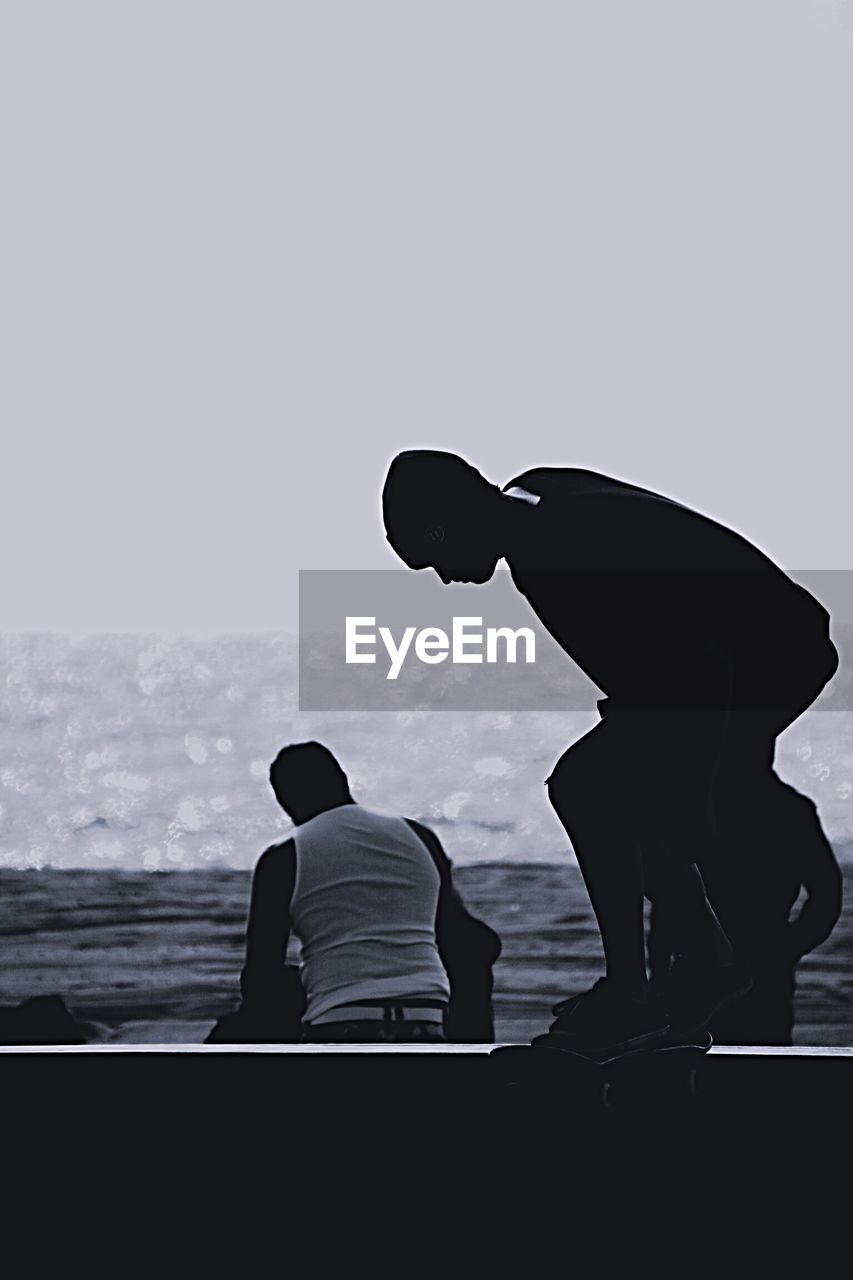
(705, 651)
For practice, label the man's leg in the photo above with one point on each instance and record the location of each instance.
(686, 749)
(635, 798)
(678, 893)
(584, 789)
(662, 766)
(589, 790)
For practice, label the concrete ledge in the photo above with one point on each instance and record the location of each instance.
(192, 1110)
(372, 1050)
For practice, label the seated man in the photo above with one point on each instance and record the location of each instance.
(371, 900)
(754, 899)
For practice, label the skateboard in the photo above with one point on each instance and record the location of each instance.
(663, 1074)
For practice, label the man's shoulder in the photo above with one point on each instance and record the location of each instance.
(428, 837)
(565, 481)
(278, 855)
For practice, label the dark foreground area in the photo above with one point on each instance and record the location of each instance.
(403, 1163)
(324, 1110)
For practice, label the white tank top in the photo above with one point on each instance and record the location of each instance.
(363, 907)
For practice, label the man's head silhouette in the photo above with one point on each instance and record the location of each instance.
(441, 514)
(307, 780)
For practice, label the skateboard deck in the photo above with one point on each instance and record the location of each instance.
(664, 1073)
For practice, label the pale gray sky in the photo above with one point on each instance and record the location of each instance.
(251, 250)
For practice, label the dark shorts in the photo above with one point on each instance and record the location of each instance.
(676, 779)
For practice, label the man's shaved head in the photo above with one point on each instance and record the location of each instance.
(306, 779)
(435, 507)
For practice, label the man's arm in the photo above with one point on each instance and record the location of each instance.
(819, 914)
(448, 898)
(468, 948)
(268, 927)
(462, 938)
